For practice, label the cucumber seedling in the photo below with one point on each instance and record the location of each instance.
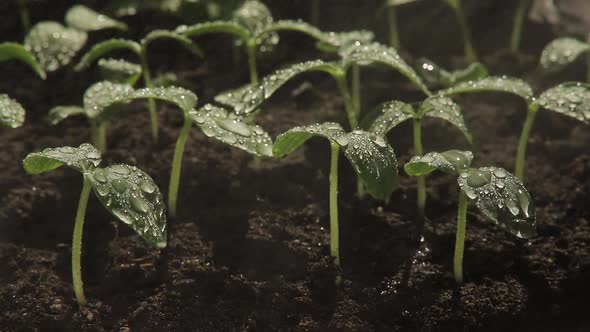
(498, 195)
(564, 51)
(125, 191)
(371, 157)
(391, 114)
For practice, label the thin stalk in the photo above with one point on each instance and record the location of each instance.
(334, 237)
(348, 100)
(356, 89)
(517, 26)
(460, 239)
(77, 243)
(523, 142)
(251, 52)
(418, 150)
(315, 12)
(25, 18)
(99, 135)
(394, 40)
(588, 67)
(177, 166)
(147, 81)
(470, 53)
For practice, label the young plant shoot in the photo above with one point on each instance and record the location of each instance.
(125, 191)
(437, 77)
(371, 157)
(140, 50)
(389, 115)
(12, 114)
(498, 195)
(564, 51)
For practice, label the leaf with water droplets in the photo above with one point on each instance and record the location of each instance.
(14, 51)
(375, 53)
(387, 116)
(119, 71)
(335, 41)
(450, 162)
(398, 2)
(59, 113)
(446, 109)
(133, 197)
(437, 76)
(175, 36)
(105, 47)
(501, 197)
(86, 19)
(571, 99)
(53, 44)
(292, 139)
(100, 96)
(294, 26)
(561, 52)
(186, 100)
(83, 158)
(247, 99)
(255, 17)
(218, 123)
(227, 27)
(511, 85)
(12, 114)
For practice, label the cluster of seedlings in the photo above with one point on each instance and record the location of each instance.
(134, 198)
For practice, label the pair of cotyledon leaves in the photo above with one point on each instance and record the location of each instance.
(125, 191)
(498, 194)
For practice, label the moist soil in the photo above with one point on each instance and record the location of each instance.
(249, 250)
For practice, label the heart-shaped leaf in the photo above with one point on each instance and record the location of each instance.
(10, 51)
(119, 71)
(231, 129)
(387, 116)
(175, 36)
(227, 27)
(445, 108)
(494, 84)
(450, 162)
(53, 44)
(12, 114)
(247, 99)
(571, 99)
(86, 19)
(59, 113)
(107, 46)
(435, 75)
(102, 95)
(375, 53)
(133, 197)
(84, 158)
(561, 52)
(501, 197)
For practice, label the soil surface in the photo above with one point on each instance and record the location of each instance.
(249, 249)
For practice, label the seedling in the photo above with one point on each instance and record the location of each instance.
(498, 195)
(437, 77)
(140, 50)
(125, 191)
(12, 114)
(371, 157)
(389, 115)
(562, 52)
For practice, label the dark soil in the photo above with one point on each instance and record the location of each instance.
(249, 250)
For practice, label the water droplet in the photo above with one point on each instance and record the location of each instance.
(139, 204)
(120, 185)
(478, 178)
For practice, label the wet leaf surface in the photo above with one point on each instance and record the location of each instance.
(561, 52)
(54, 45)
(14, 51)
(12, 114)
(450, 162)
(119, 71)
(571, 99)
(86, 19)
(105, 47)
(83, 158)
(506, 84)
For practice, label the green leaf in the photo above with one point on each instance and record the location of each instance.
(445, 108)
(83, 158)
(218, 123)
(335, 41)
(571, 99)
(12, 114)
(59, 113)
(119, 71)
(501, 197)
(292, 139)
(100, 96)
(375, 53)
(561, 52)
(227, 27)
(133, 197)
(493, 84)
(10, 51)
(253, 15)
(398, 2)
(247, 99)
(86, 19)
(107, 46)
(294, 26)
(54, 45)
(183, 98)
(172, 35)
(450, 162)
(435, 75)
(387, 116)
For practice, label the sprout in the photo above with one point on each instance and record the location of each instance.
(12, 114)
(125, 191)
(436, 76)
(562, 52)
(371, 157)
(498, 195)
(389, 115)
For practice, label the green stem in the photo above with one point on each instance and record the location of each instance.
(356, 89)
(77, 243)
(25, 18)
(418, 150)
(99, 135)
(393, 31)
(470, 53)
(523, 142)
(334, 237)
(460, 238)
(315, 12)
(517, 27)
(177, 166)
(588, 67)
(251, 52)
(348, 100)
(147, 81)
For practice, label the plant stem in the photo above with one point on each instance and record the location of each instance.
(348, 100)
(251, 52)
(460, 238)
(25, 18)
(588, 67)
(315, 12)
(470, 53)
(177, 166)
(393, 31)
(418, 150)
(99, 135)
(523, 142)
(77, 243)
(356, 89)
(147, 81)
(334, 238)
(517, 27)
